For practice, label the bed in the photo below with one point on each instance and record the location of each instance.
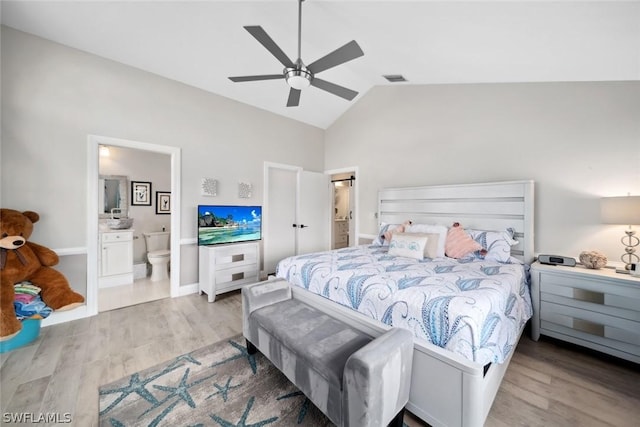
(467, 315)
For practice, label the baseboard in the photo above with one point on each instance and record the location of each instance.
(187, 289)
(66, 316)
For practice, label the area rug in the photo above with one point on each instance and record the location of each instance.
(218, 385)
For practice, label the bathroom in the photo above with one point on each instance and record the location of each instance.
(150, 210)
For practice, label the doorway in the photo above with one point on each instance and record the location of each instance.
(343, 206)
(296, 213)
(104, 298)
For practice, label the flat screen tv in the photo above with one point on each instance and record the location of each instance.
(218, 224)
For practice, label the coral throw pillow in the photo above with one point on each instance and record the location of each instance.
(459, 243)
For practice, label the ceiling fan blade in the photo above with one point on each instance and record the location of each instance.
(294, 98)
(255, 78)
(339, 56)
(266, 41)
(333, 88)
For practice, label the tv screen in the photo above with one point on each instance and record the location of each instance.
(219, 224)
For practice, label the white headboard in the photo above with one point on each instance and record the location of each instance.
(486, 206)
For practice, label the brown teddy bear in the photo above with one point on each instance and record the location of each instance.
(23, 260)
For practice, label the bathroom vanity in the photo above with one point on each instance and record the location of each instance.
(116, 258)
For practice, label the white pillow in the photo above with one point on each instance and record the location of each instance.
(408, 245)
(440, 230)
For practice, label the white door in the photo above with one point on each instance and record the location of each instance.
(314, 219)
(280, 215)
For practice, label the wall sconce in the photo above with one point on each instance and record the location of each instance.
(623, 211)
(104, 151)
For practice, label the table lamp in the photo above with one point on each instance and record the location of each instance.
(623, 211)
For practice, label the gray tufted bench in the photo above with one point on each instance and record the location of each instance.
(354, 379)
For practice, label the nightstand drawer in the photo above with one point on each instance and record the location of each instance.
(596, 303)
(591, 292)
(592, 323)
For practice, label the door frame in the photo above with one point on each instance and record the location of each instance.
(355, 241)
(93, 172)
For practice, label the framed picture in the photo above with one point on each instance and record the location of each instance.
(163, 202)
(140, 193)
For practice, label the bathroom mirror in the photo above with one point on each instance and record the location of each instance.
(112, 194)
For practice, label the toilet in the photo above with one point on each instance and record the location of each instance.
(158, 254)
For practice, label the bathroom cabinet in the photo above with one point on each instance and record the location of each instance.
(116, 258)
(340, 233)
(225, 268)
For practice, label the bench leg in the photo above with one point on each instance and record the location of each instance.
(397, 421)
(251, 349)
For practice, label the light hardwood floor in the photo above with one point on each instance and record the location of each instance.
(547, 383)
(138, 292)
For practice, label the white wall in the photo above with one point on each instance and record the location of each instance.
(54, 96)
(578, 141)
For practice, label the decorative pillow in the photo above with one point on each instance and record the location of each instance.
(439, 230)
(386, 230)
(384, 227)
(497, 243)
(459, 243)
(408, 245)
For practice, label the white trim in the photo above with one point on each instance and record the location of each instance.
(82, 250)
(189, 241)
(67, 316)
(367, 236)
(92, 210)
(187, 289)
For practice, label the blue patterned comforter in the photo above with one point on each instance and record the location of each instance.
(474, 308)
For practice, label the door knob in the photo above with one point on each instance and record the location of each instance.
(303, 226)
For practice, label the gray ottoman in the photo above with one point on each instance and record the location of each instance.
(354, 379)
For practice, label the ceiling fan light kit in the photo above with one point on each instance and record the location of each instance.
(297, 75)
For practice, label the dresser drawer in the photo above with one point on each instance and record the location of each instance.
(234, 276)
(122, 236)
(229, 257)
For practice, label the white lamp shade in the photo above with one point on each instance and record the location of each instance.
(620, 210)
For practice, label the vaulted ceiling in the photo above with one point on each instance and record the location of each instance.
(202, 43)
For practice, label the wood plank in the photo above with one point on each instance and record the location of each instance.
(547, 384)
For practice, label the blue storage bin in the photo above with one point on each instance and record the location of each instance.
(29, 332)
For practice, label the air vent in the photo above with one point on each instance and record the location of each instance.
(395, 78)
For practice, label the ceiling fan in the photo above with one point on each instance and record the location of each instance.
(298, 75)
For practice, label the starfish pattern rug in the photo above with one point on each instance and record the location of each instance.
(218, 385)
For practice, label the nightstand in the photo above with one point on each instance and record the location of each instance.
(598, 309)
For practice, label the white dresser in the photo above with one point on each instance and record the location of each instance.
(598, 309)
(225, 268)
(116, 258)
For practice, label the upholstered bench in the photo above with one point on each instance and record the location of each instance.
(354, 379)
